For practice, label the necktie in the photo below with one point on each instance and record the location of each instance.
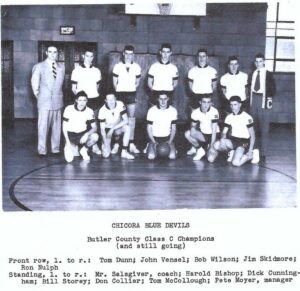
(54, 70)
(257, 82)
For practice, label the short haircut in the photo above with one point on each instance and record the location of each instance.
(87, 49)
(81, 94)
(50, 45)
(235, 98)
(129, 48)
(159, 93)
(233, 58)
(110, 92)
(260, 56)
(206, 96)
(202, 50)
(166, 45)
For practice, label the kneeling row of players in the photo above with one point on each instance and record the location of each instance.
(80, 131)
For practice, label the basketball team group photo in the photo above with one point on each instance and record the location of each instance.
(161, 106)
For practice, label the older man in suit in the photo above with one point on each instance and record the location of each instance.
(47, 80)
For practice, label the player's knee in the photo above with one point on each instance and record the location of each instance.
(222, 144)
(194, 135)
(94, 137)
(187, 134)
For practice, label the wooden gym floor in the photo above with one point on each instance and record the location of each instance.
(31, 183)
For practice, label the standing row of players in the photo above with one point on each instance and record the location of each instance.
(162, 80)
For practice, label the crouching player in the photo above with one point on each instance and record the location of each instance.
(113, 121)
(240, 143)
(79, 128)
(204, 128)
(161, 126)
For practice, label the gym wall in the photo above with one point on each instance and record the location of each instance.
(227, 29)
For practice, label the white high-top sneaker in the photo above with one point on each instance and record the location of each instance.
(199, 155)
(84, 153)
(115, 149)
(68, 153)
(96, 150)
(191, 151)
(230, 156)
(133, 149)
(126, 155)
(255, 158)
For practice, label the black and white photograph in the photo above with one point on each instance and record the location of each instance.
(148, 106)
(149, 144)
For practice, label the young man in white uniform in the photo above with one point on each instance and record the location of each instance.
(162, 75)
(113, 121)
(79, 128)
(161, 126)
(234, 83)
(242, 139)
(204, 128)
(86, 77)
(126, 79)
(202, 79)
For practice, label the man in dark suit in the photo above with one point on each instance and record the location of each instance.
(47, 80)
(262, 90)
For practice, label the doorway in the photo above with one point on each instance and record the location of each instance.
(7, 80)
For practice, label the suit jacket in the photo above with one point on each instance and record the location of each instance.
(46, 88)
(270, 87)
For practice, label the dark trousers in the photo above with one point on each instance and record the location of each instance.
(261, 119)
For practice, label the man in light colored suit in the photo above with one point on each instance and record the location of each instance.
(47, 80)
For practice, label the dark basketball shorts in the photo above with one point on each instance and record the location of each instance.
(207, 138)
(76, 136)
(114, 134)
(95, 103)
(127, 97)
(161, 139)
(240, 142)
